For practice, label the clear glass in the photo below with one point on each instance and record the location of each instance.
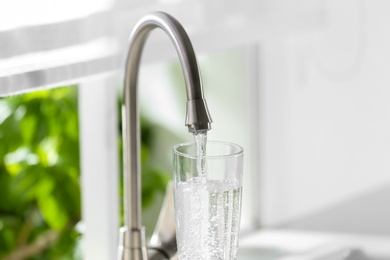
(208, 190)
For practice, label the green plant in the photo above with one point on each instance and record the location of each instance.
(39, 175)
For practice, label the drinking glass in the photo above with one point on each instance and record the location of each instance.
(208, 190)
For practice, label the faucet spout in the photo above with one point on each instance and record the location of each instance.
(133, 245)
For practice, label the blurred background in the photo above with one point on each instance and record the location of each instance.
(301, 85)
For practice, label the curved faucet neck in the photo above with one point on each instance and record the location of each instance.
(198, 118)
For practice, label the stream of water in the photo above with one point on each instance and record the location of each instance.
(200, 142)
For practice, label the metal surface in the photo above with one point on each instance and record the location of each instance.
(164, 235)
(133, 245)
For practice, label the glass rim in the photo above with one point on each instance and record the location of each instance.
(240, 150)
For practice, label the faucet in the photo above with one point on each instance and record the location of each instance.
(132, 245)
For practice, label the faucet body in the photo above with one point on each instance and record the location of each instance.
(132, 237)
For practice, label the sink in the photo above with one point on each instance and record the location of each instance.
(253, 253)
(303, 245)
(344, 254)
(273, 254)
(256, 253)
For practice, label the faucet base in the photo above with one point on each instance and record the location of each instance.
(132, 244)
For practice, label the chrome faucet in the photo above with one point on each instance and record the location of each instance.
(132, 236)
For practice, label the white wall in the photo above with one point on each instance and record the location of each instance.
(324, 108)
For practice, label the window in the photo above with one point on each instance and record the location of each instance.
(86, 46)
(48, 44)
(39, 175)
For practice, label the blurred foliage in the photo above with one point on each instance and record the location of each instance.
(153, 179)
(40, 202)
(39, 175)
